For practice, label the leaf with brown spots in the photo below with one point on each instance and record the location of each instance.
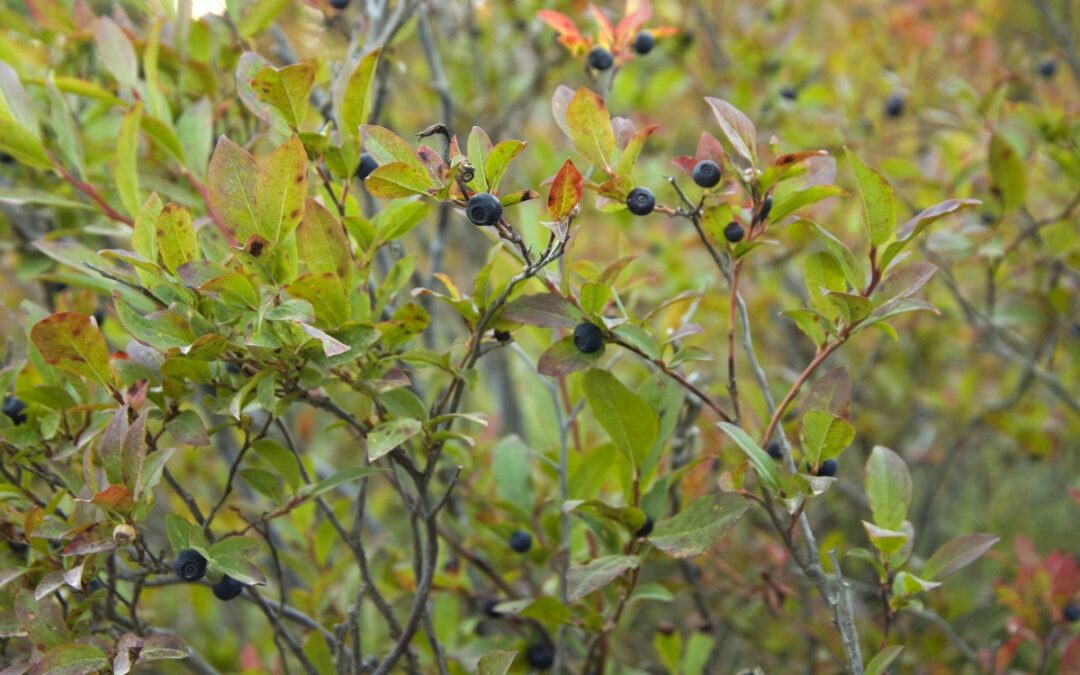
(324, 246)
(233, 172)
(71, 342)
(176, 238)
(286, 89)
(280, 190)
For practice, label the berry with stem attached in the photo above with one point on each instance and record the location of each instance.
(774, 450)
(734, 232)
(643, 42)
(641, 201)
(600, 59)
(189, 565)
(707, 173)
(520, 541)
(588, 338)
(828, 468)
(228, 588)
(483, 208)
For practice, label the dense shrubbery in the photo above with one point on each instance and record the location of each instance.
(308, 371)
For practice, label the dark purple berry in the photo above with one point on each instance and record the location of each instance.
(641, 201)
(366, 166)
(228, 588)
(483, 208)
(828, 468)
(646, 527)
(540, 656)
(894, 106)
(734, 232)
(13, 409)
(600, 59)
(1071, 612)
(520, 541)
(774, 450)
(1048, 68)
(643, 42)
(707, 173)
(339, 4)
(588, 338)
(189, 565)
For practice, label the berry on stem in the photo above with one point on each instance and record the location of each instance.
(600, 59)
(588, 338)
(828, 468)
(228, 588)
(13, 409)
(189, 565)
(520, 541)
(643, 42)
(707, 173)
(646, 527)
(1048, 68)
(483, 208)
(774, 450)
(641, 201)
(339, 4)
(734, 232)
(366, 166)
(894, 106)
(539, 655)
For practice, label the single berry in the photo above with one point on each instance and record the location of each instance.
(366, 166)
(828, 468)
(6, 158)
(643, 42)
(707, 173)
(1048, 68)
(588, 338)
(189, 565)
(734, 232)
(1071, 612)
(503, 335)
(489, 608)
(641, 201)
(228, 588)
(601, 59)
(894, 106)
(339, 4)
(232, 368)
(13, 408)
(789, 92)
(99, 316)
(774, 450)
(483, 208)
(539, 655)
(520, 541)
(93, 586)
(766, 208)
(646, 528)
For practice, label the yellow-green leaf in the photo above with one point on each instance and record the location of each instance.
(356, 101)
(280, 190)
(127, 160)
(286, 89)
(324, 246)
(72, 342)
(176, 238)
(590, 128)
(879, 201)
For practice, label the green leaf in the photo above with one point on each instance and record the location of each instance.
(71, 658)
(853, 308)
(72, 342)
(127, 160)
(499, 159)
(879, 201)
(698, 652)
(387, 147)
(759, 459)
(18, 196)
(283, 461)
(544, 309)
(885, 540)
(176, 238)
(241, 569)
(879, 665)
(907, 584)
(590, 128)
(956, 554)
(627, 418)
(259, 15)
(116, 53)
(339, 478)
(356, 100)
(740, 134)
(63, 126)
(15, 103)
(162, 330)
(792, 202)
(593, 576)
(812, 323)
(563, 358)
(151, 470)
(280, 190)
(398, 179)
(920, 222)
(479, 146)
(853, 270)
(824, 436)
(177, 530)
(823, 273)
(1008, 174)
(323, 244)
(888, 488)
(195, 133)
(398, 219)
(512, 472)
(235, 547)
(286, 89)
(700, 526)
(42, 619)
(633, 149)
(565, 192)
(389, 435)
(187, 427)
(21, 144)
(265, 483)
(144, 236)
(232, 178)
(326, 294)
(495, 662)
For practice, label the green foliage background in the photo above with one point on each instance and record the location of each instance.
(979, 402)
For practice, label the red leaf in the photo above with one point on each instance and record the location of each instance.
(114, 496)
(565, 191)
(709, 147)
(563, 24)
(607, 31)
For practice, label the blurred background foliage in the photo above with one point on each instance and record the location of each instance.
(981, 401)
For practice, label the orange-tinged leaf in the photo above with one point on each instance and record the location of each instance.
(115, 496)
(565, 191)
(606, 30)
(73, 343)
(563, 24)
